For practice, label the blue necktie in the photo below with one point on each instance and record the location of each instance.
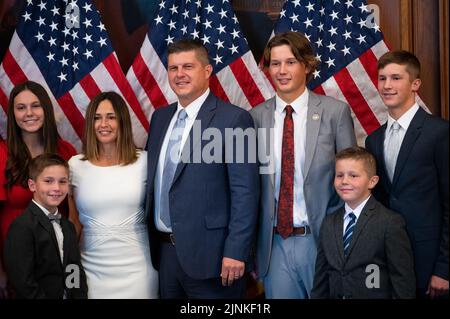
(349, 232)
(170, 165)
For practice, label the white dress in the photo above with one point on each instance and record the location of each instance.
(114, 244)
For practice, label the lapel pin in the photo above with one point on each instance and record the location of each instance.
(315, 117)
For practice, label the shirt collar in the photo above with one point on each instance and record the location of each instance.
(405, 120)
(45, 210)
(357, 211)
(193, 108)
(299, 103)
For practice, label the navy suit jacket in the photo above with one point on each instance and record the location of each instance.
(419, 190)
(213, 206)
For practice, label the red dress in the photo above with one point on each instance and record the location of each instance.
(14, 201)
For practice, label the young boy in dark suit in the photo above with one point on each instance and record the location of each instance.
(41, 252)
(364, 251)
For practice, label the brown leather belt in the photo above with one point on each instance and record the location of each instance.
(167, 237)
(297, 231)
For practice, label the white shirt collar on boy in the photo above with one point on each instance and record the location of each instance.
(58, 230)
(357, 211)
(404, 120)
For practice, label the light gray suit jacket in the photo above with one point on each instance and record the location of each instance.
(329, 129)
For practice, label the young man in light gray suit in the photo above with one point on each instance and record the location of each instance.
(364, 251)
(299, 132)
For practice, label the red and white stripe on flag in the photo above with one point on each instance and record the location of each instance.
(348, 43)
(18, 66)
(73, 62)
(237, 77)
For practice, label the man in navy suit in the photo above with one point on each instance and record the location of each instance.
(412, 151)
(203, 202)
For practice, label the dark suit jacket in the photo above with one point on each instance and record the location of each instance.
(419, 191)
(213, 206)
(32, 257)
(379, 238)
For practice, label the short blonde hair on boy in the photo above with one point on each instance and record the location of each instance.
(359, 154)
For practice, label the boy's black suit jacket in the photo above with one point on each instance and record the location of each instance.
(33, 262)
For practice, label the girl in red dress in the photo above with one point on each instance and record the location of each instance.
(31, 131)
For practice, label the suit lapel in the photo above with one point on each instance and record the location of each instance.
(205, 115)
(66, 241)
(313, 121)
(46, 224)
(338, 232)
(164, 122)
(413, 132)
(268, 123)
(361, 223)
(379, 149)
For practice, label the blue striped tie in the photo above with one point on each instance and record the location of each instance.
(349, 232)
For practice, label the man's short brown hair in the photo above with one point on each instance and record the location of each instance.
(359, 154)
(187, 45)
(300, 47)
(401, 57)
(41, 162)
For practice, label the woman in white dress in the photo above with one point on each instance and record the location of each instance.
(107, 204)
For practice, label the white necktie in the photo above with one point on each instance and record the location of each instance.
(392, 149)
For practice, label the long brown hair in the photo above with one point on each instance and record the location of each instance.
(300, 47)
(19, 156)
(126, 150)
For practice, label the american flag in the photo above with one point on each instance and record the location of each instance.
(348, 43)
(64, 46)
(237, 78)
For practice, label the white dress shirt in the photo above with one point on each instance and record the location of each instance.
(58, 230)
(300, 106)
(191, 111)
(404, 121)
(357, 211)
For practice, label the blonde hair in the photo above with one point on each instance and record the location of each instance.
(359, 154)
